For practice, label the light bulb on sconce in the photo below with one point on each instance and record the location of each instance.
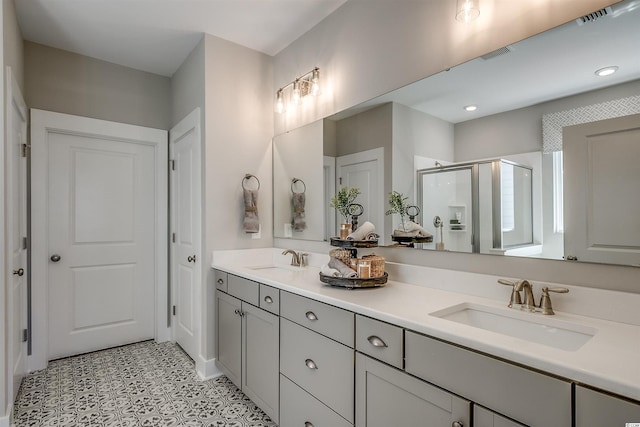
(279, 101)
(315, 82)
(467, 10)
(307, 84)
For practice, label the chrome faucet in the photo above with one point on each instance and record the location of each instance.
(295, 257)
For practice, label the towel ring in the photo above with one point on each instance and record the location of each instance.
(248, 177)
(293, 182)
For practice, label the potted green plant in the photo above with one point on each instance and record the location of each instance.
(398, 204)
(340, 202)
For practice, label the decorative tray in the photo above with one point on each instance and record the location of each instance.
(408, 239)
(345, 282)
(344, 243)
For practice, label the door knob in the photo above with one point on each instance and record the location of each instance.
(55, 257)
(191, 258)
(19, 272)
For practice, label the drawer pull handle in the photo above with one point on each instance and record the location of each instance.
(268, 299)
(310, 364)
(457, 424)
(311, 316)
(376, 342)
(307, 424)
(220, 281)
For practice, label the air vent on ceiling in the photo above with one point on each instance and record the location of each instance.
(594, 16)
(497, 52)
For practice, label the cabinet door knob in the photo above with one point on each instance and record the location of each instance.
(191, 258)
(310, 364)
(268, 299)
(376, 341)
(19, 272)
(457, 424)
(311, 316)
(55, 258)
(220, 281)
(307, 424)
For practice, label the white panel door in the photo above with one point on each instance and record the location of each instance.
(99, 233)
(602, 202)
(185, 212)
(16, 232)
(365, 171)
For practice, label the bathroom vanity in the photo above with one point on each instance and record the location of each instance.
(312, 355)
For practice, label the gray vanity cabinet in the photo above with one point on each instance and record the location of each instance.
(595, 409)
(248, 340)
(482, 417)
(386, 396)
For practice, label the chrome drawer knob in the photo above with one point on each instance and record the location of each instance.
(376, 341)
(268, 299)
(307, 424)
(457, 424)
(220, 281)
(311, 364)
(311, 316)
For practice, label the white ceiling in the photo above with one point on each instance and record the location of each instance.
(157, 35)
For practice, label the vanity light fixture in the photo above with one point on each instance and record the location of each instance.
(471, 108)
(467, 10)
(606, 71)
(307, 84)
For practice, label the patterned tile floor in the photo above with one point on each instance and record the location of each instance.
(143, 384)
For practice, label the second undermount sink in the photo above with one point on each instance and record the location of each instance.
(530, 327)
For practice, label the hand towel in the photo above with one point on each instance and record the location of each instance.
(328, 271)
(411, 226)
(251, 222)
(362, 231)
(344, 269)
(298, 201)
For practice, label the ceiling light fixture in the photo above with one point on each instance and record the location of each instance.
(467, 10)
(471, 108)
(307, 84)
(606, 71)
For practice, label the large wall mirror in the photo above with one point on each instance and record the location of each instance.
(546, 166)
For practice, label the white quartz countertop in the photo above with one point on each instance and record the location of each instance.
(610, 360)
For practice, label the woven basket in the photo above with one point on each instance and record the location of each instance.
(377, 265)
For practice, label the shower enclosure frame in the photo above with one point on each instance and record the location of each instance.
(496, 194)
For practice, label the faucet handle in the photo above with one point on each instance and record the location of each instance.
(515, 295)
(545, 300)
(304, 261)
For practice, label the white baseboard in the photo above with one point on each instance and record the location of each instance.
(206, 369)
(4, 420)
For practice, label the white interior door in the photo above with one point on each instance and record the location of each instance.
(16, 169)
(186, 260)
(601, 198)
(365, 170)
(104, 202)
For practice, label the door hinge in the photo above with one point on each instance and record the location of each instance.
(340, 180)
(25, 150)
(172, 164)
(173, 237)
(25, 335)
(24, 243)
(174, 310)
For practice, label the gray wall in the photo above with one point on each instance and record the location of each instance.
(65, 82)
(13, 45)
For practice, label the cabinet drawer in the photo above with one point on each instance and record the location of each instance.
(297, 408)
(598, 409)
(379, 340)
(270, 298)
(244, 289)
(333, 322)
(501, 386)
(319, 365)
(220, 278)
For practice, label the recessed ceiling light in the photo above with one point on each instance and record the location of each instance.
(471, 108)
(606, 71)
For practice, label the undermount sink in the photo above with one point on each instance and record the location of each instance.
(532, 327)
(273, 268)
